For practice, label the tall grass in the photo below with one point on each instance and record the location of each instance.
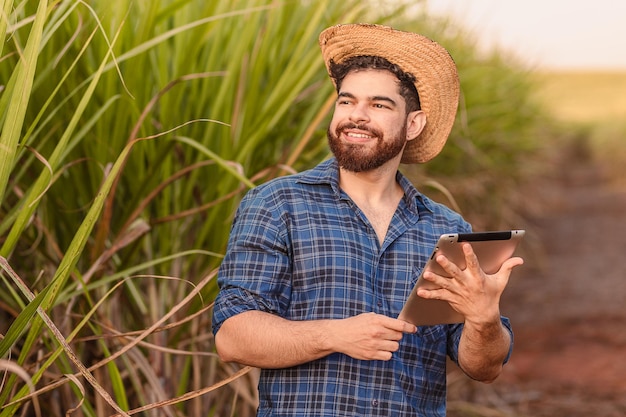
(128, 132)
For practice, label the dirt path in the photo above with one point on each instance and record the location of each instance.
(568, 305)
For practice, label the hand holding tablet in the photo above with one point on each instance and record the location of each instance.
(491, 248)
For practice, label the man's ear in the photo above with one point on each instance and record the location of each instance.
(415, 122)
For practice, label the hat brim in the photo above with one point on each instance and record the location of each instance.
(437, 80)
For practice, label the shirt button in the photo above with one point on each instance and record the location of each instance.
(375, 403)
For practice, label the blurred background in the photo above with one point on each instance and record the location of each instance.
(130, 130)
(566, 300)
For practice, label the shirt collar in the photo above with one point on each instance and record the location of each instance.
(327, 172)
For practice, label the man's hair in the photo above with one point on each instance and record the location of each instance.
(407, 81)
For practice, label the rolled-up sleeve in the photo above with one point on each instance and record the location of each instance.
(255, 274)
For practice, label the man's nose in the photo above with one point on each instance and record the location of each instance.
(359, 113)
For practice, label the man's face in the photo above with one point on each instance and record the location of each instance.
(369, 125)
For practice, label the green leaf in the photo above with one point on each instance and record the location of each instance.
(11, 129)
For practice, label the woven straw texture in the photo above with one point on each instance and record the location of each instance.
(437, 80)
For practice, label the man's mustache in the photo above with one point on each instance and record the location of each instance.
(350, 125)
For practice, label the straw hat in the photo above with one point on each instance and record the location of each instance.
(437, 80)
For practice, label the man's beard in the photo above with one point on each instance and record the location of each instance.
(358, 157)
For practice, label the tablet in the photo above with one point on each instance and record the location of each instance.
(491, 248)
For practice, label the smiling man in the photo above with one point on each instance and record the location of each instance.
(319, 264)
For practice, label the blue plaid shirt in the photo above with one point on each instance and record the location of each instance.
(301, 249)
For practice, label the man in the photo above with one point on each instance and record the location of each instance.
(319, 264)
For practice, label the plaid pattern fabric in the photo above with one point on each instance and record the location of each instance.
(300, 248)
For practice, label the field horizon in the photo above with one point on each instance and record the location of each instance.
(584, 96)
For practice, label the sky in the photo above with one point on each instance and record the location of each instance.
(551, 34)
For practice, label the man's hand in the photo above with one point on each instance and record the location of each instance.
(368, 336)
(470, 291)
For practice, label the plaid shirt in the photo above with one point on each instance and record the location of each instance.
(301, 249)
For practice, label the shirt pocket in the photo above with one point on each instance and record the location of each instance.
(431, 334)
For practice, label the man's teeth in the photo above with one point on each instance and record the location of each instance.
(358, 135)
